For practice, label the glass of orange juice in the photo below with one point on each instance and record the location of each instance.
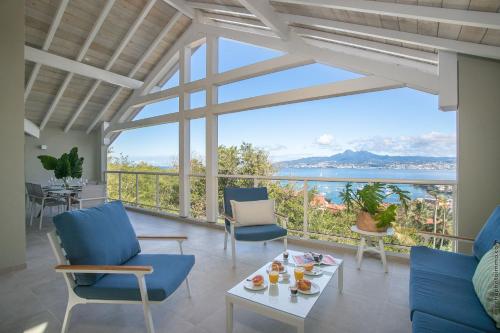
(299, 273)
(273, 277)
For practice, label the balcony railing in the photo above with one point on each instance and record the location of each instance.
(311, 203)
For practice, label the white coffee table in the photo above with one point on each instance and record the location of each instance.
(275, 301)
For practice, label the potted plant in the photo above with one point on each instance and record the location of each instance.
(374, 215)
(68, 165)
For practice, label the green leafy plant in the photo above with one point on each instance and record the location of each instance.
(370, 199)
(68, 165)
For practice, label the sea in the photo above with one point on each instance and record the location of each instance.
(331, 190)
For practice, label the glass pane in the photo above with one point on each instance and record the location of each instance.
(233, 54)
(198, 99)
(198, 63)
(197, 146)
(172, 82)
(159, 108)
(169, 193)
(198, 198)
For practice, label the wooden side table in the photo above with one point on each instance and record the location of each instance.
(371, 242)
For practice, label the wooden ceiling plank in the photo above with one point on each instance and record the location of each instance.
(95, 29)
(133, 28)
(447, 15)
(48, 40)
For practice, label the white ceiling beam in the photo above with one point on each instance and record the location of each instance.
(72, 66)
(414, 74)
(220, 9)
(181, 6)
(31, 128)
(81, 54)
(443, 44)
(434, 14)
(336, 89)
(243, 21)
(242, 73)
(369, 45)
(448, 81)
(161, 35)
(123, 43)
(48, 40)
(263, 10)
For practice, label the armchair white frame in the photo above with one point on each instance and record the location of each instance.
(68, 271)
(234, 223)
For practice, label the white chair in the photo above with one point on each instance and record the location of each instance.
(91, 195)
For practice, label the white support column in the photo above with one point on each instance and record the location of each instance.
(103, 145)
(448, 81)
(184, 134)
(211, 132)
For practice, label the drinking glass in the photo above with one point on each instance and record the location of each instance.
(273, 277)
(299, 273)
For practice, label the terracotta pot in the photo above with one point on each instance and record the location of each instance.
(366, 222)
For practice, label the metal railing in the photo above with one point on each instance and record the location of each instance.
(318, 218)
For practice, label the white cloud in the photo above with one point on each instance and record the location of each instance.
(325, 140)
(428, 144)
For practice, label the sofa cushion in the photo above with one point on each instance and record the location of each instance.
(259, 232)
(100, 235)
(169, 272)
(489, 234)
(426, 323)
(485, 283)
(449, 298)
(442, 262)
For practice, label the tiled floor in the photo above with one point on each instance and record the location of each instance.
(33, 300)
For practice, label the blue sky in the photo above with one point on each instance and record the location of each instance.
(395, 122)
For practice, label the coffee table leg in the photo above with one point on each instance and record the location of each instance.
(229, 316)
(300, 327)
(340, 275)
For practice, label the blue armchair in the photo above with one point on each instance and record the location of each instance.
(257, 233)
(99, 255)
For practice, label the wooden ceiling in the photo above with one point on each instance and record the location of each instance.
(77, 22)
(80, 17)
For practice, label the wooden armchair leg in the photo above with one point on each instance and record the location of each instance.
(67, 315)
(225, 239)
(187, 286)
(233, 251)
(41, 214)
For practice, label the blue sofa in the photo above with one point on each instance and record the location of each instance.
(442, 296)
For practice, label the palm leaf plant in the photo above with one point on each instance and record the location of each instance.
(68, 165)
(370, 199)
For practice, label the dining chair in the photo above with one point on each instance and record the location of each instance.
(91, 195)
(255, 233)
(36, 197)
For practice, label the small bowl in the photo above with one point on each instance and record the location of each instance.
(294, 290)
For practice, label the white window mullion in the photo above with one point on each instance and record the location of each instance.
(184, 134)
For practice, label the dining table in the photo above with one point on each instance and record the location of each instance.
(62, 192)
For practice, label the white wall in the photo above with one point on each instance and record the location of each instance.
(478, 143)
(12, 232)
(58, 143)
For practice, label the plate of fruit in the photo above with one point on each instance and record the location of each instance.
(255, 283)
(276, 266)
(311, 269)
(307, 287)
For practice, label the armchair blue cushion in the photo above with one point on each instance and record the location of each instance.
(250, 233)
(489, 234)
(100, 235)
(160, 284)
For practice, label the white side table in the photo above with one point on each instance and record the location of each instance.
(372, 242)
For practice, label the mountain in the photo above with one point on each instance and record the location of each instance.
(362, 158)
